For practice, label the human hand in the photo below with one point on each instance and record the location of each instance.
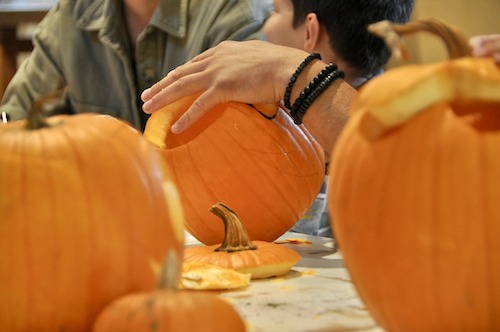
(486, 45)
(249, 72)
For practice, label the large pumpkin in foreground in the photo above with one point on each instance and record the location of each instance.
(83, 218)
(269, 170)
(414, 193)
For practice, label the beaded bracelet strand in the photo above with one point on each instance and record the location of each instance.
(311, 86)
(293, 79)
(318, 85)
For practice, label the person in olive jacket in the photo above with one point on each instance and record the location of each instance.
(104, 53)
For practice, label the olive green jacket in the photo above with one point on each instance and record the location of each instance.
(82, 45)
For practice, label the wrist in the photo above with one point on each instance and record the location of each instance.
(286, 68)
(305, 77)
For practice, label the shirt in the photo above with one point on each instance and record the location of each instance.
(82, 46)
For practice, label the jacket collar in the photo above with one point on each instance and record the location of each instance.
(170, 16)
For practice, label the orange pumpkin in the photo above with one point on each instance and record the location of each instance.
(266, 168)
(83, 215)
(413, 192)
(260, 259)
(168, 309)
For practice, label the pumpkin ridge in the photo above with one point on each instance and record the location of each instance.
(247, 184)
(398, 150)
(91, 218)
(181, 186)
(264, 174)
(40, 154)
(488, 248)
(312, 147)
(346, 203)
(299, 149)
(192, 152)
(55, 292)
(28, 250)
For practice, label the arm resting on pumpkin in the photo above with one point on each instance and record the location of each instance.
(250, 72)
(328, 114)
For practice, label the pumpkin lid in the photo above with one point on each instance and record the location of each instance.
(395, 97)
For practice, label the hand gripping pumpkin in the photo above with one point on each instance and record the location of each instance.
(83, 216)
(414, 193)
(266, 168)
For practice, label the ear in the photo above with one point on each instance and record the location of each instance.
(313, 29)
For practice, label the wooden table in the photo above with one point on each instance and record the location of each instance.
(316, 295)
(12, 14)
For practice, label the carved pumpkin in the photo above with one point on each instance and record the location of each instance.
(168, 309)
(261, 259)
(83, 215)
(414, 193)
(266, 168)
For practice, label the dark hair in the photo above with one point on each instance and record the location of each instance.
(346, 23)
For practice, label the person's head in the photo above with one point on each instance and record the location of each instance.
(337, 29)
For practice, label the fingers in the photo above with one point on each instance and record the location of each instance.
(158, 98)
(488, 45)
(183, 81)
(204, 103)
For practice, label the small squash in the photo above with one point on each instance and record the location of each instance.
(261, 259)
(253, 158)
(414, 192)
(168, 309)
(83, 215)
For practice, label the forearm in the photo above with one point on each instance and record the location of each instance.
(252, 72)
(328, 114)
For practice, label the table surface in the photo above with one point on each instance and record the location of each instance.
(316, 295)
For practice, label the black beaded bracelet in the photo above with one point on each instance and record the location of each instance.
(293, 79)
(311, 86)
(298, 112)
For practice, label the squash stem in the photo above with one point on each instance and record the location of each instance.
(455, 42)
(236, 237)
(169, 274)
(35, 118)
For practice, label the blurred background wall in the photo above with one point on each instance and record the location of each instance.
(472, 17)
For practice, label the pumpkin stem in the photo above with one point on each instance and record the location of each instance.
(35, 118)
(169, 275)
(456, 44)
(236, 237)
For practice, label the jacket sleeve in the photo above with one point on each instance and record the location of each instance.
(39, 74)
